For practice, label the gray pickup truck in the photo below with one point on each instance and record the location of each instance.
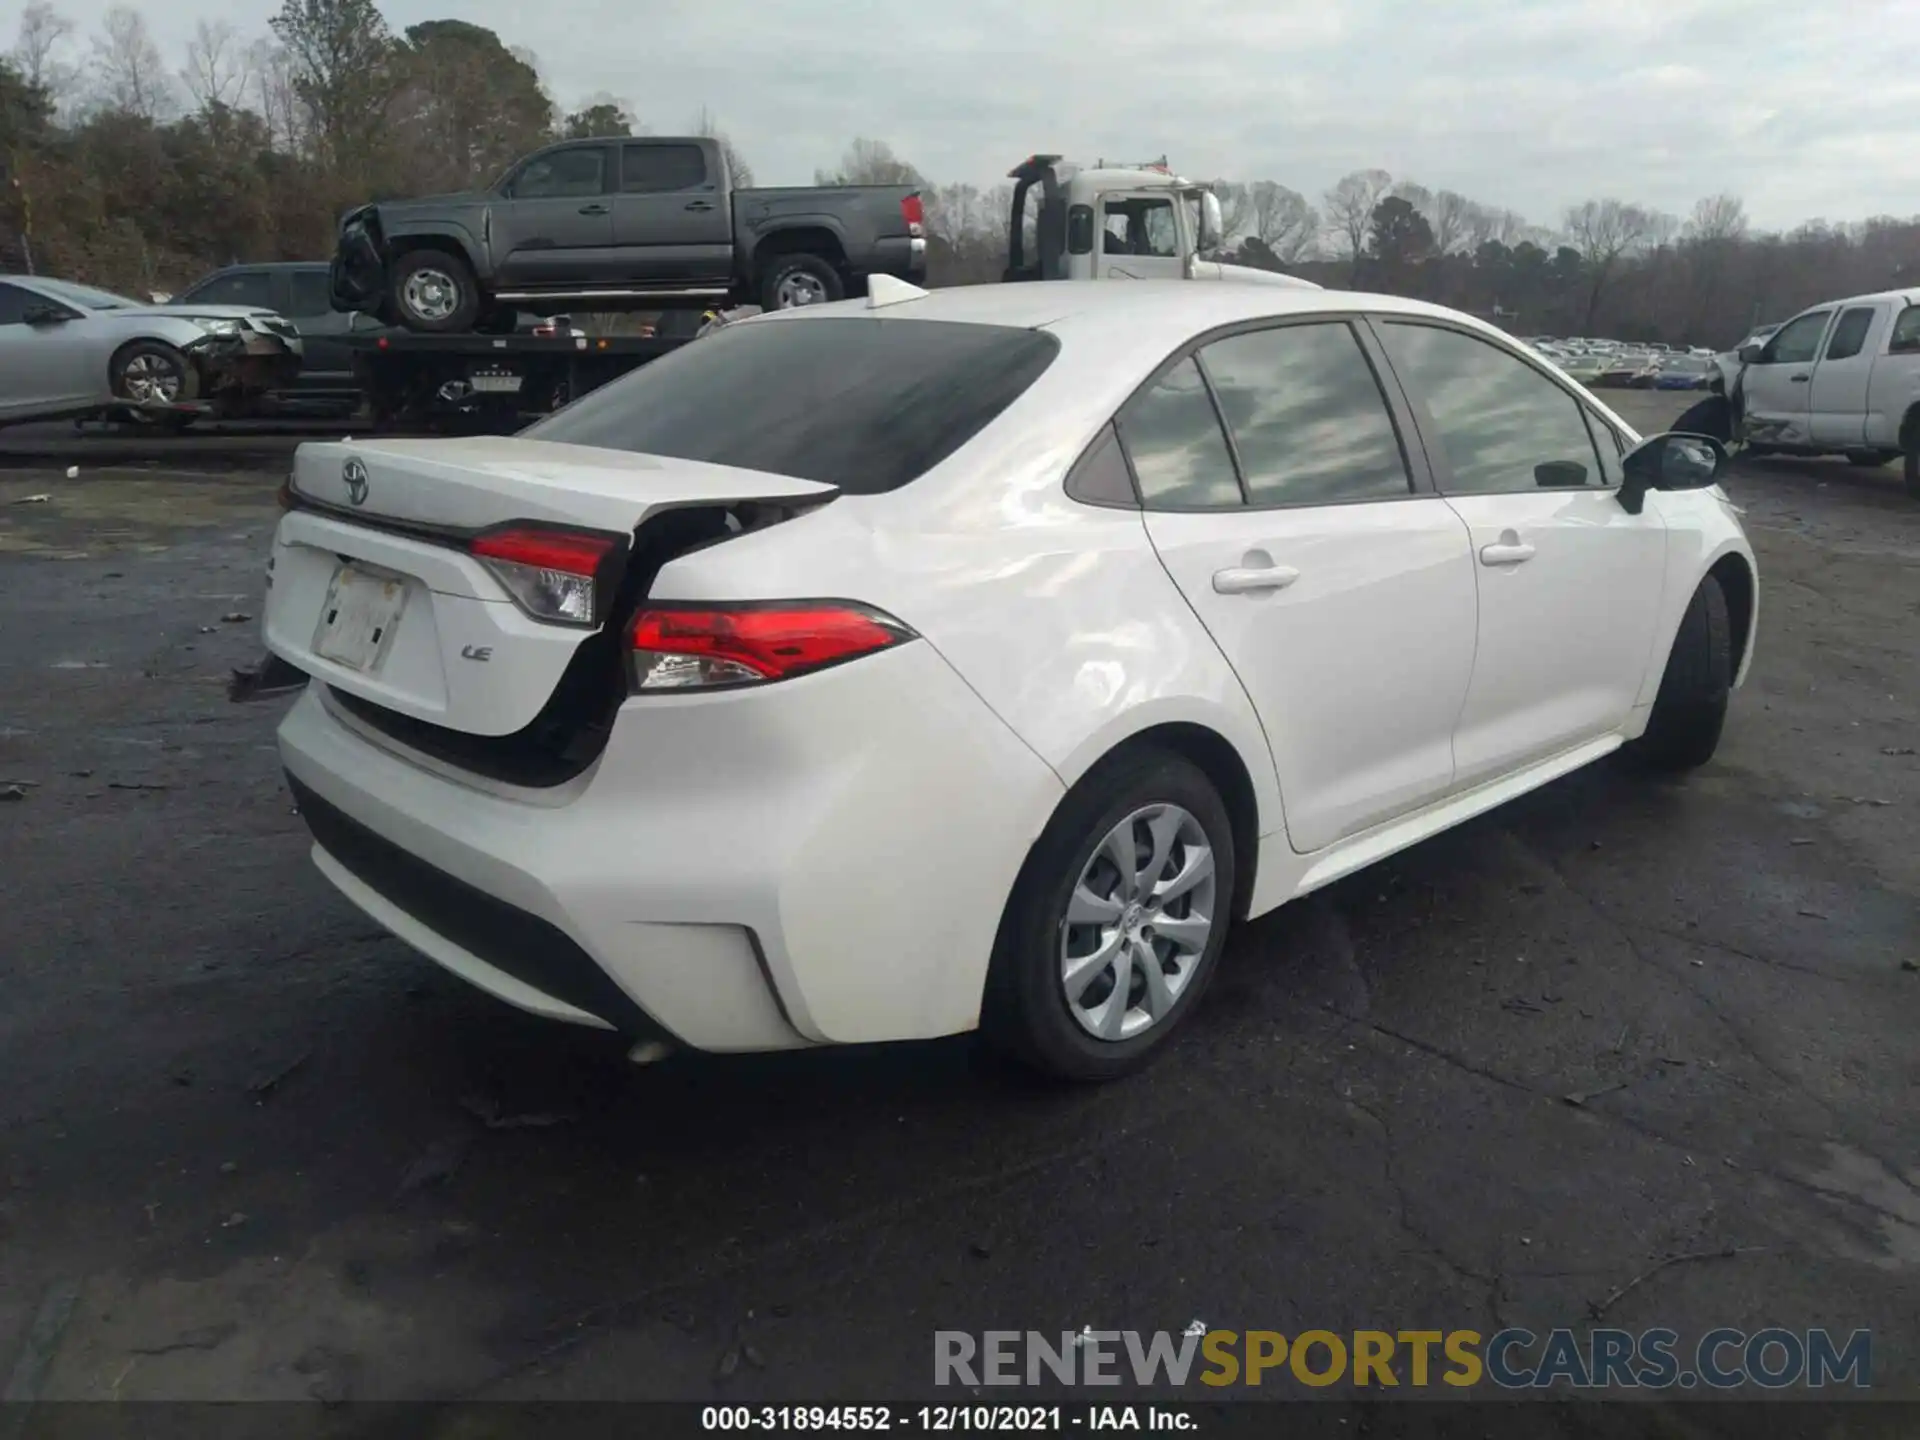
(650, 223)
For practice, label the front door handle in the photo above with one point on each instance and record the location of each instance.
(699, 205)
(1252, 579)
(1506, 551)
(593, 209)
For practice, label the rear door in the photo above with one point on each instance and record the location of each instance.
(1837, 402)
(1303, 534)
(1777, 387)
(328, 363)
(671, 220)
(555, 225)
(1569, 583)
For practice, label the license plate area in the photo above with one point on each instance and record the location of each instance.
(361, 614)
(495, 382)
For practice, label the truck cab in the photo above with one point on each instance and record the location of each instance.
(1118, 222)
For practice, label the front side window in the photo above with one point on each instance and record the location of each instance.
(867, 405)
(1307, 416)
(243, 287)
(565, 174)
(1142, 227)
(1172, 435)
(1851, 333)
(1796, 343)
(1503, 425)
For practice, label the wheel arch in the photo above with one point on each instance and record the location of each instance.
(1734, 572)
(809, 237)
(447, 239)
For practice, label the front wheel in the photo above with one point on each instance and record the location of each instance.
(1691, 708)
(435, 293)
(1117, 921)
(153, 373)
(795, 280)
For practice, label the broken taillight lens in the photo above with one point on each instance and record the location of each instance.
(560, 576)
(701, 647)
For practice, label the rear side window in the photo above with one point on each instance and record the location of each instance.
(1306, 416)
(1179, 452)
(649, 169)
(867, 405)
(309, 293)
(243, 287)
(1906, 332)
(1850, 334)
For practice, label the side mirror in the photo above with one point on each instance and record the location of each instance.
(1750, 354)
(44, 315)
(1213, 225)
(1673, 461)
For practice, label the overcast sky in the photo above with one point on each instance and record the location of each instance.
(1805, 108)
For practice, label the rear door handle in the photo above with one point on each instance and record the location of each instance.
(1797, 379)
(1506, 552)
(699, 205)
(1252, 580)
(593, 209)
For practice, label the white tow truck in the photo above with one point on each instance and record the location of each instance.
(1118, 222)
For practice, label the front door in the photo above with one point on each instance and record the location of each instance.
(1139, 237)
(1837, 394)
(554, 226)
(1569, 583)
(327, 363)
(1341, 594)
(50, 367)
(1777, 387)
(671, 220)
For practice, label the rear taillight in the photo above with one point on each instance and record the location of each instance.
(914, 213)
(698, 647)
(560, 576)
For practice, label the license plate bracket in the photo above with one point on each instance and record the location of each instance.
(496, 383)
(358, 620)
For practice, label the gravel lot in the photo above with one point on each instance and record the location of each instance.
(252, 1148)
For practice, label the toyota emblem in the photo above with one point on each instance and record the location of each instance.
(355, 475)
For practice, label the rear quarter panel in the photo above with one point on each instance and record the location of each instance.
(1893, 389)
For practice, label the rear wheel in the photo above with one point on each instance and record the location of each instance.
(1912, 466)
(799, 279)
(1117, 921)
(435, 292)
(1691, 708)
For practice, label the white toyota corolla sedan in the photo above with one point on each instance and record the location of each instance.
(889, 669)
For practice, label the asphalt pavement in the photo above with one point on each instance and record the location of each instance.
(1628, 1049)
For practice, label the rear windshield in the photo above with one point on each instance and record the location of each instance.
(867, 405)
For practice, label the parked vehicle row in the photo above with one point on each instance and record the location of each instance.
(1643, 366)
(580, 729)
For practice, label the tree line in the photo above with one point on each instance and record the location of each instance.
(125, 169)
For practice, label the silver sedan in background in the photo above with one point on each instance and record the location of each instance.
(72, 350)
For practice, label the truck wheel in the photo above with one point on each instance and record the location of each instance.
(435, 292)
(151, 372)
(795, 280)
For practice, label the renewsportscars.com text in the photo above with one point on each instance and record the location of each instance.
(1513, 1359)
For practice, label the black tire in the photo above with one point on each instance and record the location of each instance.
(1912, 466)
(438, 272)
(497, 320)
(1025, 1011)
(145, 358)
(1691, 708)
(802, 268)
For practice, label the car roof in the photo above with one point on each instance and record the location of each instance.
(1158, 314)
(1910, 296)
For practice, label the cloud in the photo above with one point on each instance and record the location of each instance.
(1532, 105)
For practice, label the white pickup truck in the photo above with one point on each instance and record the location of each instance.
(1842, 378)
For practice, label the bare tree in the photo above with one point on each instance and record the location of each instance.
(1604, 231)
(1416, 195)
(1448, 216)
(1718, 217)
(218, 66)
(870, 162)
(1349, 213)
(1236, 209)
(1282, 221)
(37, 53)
(128, 73)
(273, 95)
(340, 60)
(737, 166)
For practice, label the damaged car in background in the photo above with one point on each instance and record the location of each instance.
(70, 350)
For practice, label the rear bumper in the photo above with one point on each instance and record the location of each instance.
(739, 871)
(900, 256)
